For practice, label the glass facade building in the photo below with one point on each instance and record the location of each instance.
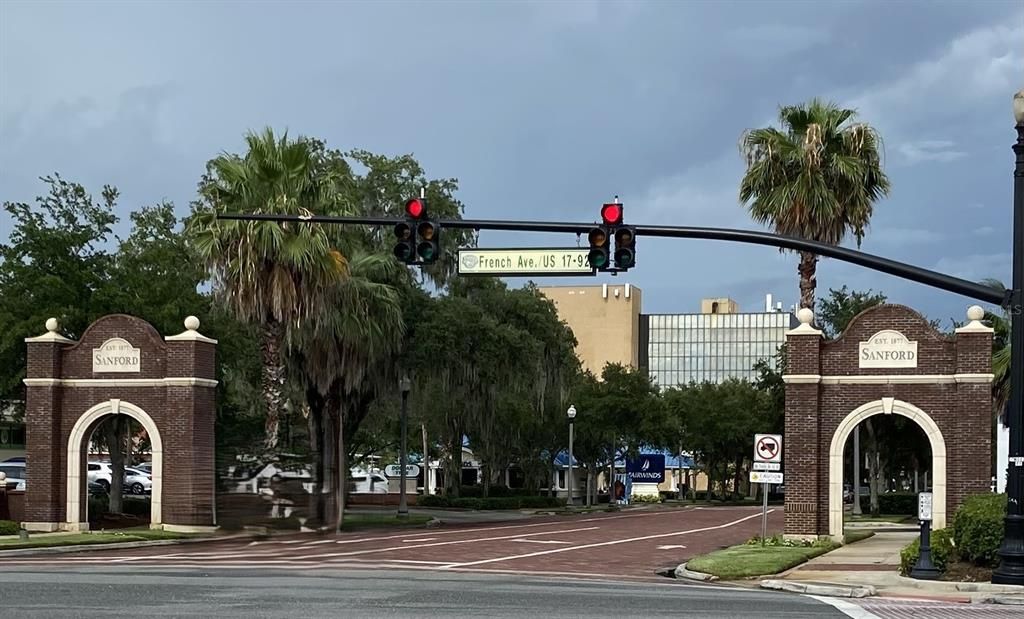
(677, 349)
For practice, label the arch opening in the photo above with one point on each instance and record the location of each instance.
(885, 406)
(76, 508)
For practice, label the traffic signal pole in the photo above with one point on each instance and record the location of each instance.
(934, 279)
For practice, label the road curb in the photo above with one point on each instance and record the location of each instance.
(53, 550)
(1009, 600)
(682, 572)
(826, 589)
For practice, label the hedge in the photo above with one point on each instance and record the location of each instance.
(978, 528)
(9, 527)
(515, 502)
(895, 503)
(942, 551)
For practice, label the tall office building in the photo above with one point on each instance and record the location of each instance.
(605, 319)
(718, 343)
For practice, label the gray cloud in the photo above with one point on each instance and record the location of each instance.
(542, 110)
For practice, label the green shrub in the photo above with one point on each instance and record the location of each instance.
(643, 498)
(978, 528)
(135, 507)
(540, 502)
(896, 503)
(431, 500)
(942, 551)
(98, 507)
(9, 527)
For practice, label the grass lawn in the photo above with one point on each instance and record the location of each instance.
(850, 535)
(894, 518)
(753, 560)
(85, 539)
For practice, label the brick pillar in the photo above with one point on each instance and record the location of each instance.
(45, 456)
(801, 443)
(968, 453)
(189, 482)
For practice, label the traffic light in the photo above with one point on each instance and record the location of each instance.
(405, 231)
(625, 247)
(598, 255)
(611, 214)
(405, 248)
(429, 234)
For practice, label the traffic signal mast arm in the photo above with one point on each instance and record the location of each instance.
(934, 279)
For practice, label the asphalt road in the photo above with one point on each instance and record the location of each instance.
(120, 591)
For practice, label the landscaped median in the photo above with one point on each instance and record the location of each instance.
(754, 559)
(50, 540)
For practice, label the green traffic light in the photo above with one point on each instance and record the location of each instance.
(598, 259)
(403, 251)
(426, 251)
(624, 258)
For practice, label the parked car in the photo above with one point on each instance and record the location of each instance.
(361, 482)
(14, 459)
(15, 472)
(135, 481)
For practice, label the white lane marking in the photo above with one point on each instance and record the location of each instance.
(448, 543)
(416, 541)
(611, 543)
(847, 608)
(539, 541)
(671, 547)
(257, 555)
(320, 541)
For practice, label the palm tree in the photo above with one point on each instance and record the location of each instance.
(347, 358)
(268, 274)
(816, 178)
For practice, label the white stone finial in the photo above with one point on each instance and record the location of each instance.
(191, 333)
(52, 325)
(192, 323)
(975, 314)
(805, 316)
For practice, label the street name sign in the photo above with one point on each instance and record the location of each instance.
(767, 466)
(395, 470)
(767, 448)
(551, 261)
(762, 477)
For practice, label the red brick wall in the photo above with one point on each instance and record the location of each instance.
(962, 411)
(184, 417)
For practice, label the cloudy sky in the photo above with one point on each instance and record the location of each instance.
(543, 110)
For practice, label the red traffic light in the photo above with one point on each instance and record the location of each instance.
(611, 214)
(415, 208)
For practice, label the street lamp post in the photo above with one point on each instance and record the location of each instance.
(1011, 568)
(572, 415)
(404, 385)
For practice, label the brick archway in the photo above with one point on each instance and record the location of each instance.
(76, 511)
(885, 406)
(121, 365)
(888, 360)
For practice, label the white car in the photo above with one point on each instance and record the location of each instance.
(15, 472)
(135, 481)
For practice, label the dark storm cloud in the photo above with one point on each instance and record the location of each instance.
(542, 110)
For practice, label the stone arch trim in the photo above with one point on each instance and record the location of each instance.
(885, 406)
(77, 439)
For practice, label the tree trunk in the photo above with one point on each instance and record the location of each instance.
(453, 474)
(342, 477)
(808, 280)
(872, 465)
(711, 481)
(114, 432)
(486, 474)
(737, 477)
(271, 380)
(317, 501)
(426, 461)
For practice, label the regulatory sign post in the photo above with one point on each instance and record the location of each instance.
(767, 457)
(925, 568)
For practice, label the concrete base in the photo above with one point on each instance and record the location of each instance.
(187, 528)
(41, 527)
(800, 537)
(74, 527)
(645, 490)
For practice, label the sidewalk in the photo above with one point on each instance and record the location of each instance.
(875, 562)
